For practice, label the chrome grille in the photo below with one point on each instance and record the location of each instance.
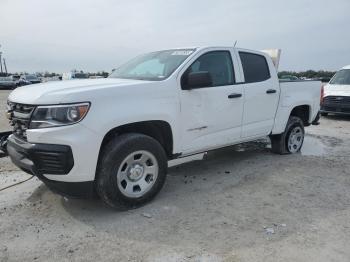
(20, 115)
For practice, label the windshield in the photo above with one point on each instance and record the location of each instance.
(154, 66)
(341, 78)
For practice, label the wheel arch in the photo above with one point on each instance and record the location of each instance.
(160, 130)
(303, 112)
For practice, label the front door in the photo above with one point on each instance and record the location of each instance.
(211, 116)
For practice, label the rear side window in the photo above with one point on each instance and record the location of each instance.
(218, 64)
(255, 67)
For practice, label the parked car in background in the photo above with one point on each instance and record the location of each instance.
(6, 82)
(52, 78)
(75, 75)
(289, 78)
(15, 78)
(22, 82)
(336, 94)
(31, 79)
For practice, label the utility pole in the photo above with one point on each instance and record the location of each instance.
(1, 61)
(5, 66)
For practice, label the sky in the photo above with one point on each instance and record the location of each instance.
(95, 35)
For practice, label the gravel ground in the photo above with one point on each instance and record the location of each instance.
(241, 203)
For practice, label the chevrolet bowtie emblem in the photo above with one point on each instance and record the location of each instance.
(9, 115)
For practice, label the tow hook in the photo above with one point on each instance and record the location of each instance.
(3, 143)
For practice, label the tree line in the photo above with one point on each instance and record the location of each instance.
(312, 74)
(308, 74)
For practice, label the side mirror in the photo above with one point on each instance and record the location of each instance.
(197, 80)
(325, 79)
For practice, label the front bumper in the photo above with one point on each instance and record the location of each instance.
(336, 105)
(48, 159)
(336, 111)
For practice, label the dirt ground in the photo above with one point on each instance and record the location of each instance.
(241, 203)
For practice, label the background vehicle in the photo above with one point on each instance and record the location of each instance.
(29, 79)
(336, 94)
(7, 82)
(17, 80)
(15, 77)
(23, 82)
(289, 78)
(116, 135)
(75, 75)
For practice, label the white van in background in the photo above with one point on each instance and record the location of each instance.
(336, 94)
(75, 75)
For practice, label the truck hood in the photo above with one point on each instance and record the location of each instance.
(337, 90)
(56, 92)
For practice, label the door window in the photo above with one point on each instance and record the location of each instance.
(219, 66)
(255, 67)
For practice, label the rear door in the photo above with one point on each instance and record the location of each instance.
(261, 91)
(212, 116)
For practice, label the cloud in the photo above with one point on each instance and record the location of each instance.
(59, 35)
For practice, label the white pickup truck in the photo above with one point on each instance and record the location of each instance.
(115, 136)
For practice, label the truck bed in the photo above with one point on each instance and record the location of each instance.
(305, 92)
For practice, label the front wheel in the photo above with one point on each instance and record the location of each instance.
(291, 140)
(132, 170)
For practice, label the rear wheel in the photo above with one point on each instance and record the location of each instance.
(132, 170)
(291, 140)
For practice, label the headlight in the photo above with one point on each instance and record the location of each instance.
(58, 115)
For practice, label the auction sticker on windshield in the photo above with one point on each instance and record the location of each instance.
(182, 52)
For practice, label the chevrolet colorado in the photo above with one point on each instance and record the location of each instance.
(115, 136)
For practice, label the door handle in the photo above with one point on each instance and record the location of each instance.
(234, 95)
(271, 91)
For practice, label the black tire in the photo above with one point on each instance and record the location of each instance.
(279, 143)
(324, 114)
(112, 157)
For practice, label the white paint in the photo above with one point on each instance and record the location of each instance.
(200, 119)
